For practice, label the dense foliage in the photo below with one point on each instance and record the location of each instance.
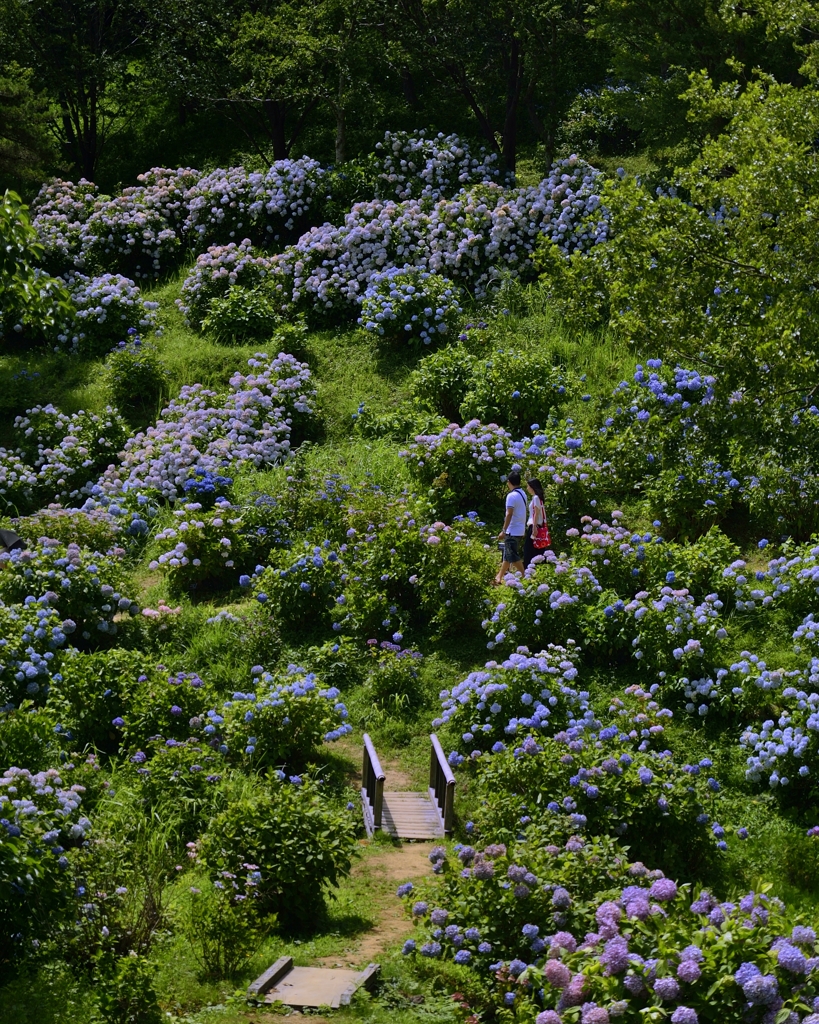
(258, 421)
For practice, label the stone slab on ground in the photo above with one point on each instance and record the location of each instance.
(301, 987)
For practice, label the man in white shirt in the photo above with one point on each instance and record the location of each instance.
(514, 528)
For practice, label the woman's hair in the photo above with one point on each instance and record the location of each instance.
(537, 487)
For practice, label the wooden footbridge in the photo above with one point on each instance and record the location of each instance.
(400, 814)
(408, 815)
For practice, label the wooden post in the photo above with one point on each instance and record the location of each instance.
(372, 791)
(441, 784)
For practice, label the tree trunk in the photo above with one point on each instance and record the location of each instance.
(275, 112)
(509, 142)
(408, 85)
(341, 123)
(461, 82)
(546, 135)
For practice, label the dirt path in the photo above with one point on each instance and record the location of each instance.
(381, 871)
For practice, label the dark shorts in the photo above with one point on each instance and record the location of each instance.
(512, 549)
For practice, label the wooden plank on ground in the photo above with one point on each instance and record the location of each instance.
(267, 980)
(410, 816)
(319, 986)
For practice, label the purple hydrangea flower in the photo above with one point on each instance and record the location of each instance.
(548, 1017)
(803, 936)
(689, 971)
(663, 889)
(591, 1013)
(791, 958)
(557, 973)
(561, 898)
(615, 956)
(564, 940)
(666, 988)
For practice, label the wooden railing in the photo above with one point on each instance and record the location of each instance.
(372, 788)
(441, 784)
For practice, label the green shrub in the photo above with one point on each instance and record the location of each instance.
(442, 380)
(340, 663)
(34, 304)
(517, 389)
(93, 691)
(299, 841)
(135, 378)
(242, 316)
(126, 992)
(164, 705)
(27, 737)
(406, 575)
(180, 782)
(219, 919)
(393, 687)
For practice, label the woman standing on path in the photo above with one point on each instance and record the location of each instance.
(537, 517)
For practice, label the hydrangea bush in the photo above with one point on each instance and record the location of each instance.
(57, 456)
(388, 573)
(404, 304)
(475, 238)
(204, 431)
(107, 309)
(281, 721)
(41, 817)
(208, 544)
(270, 206)
(525, 693)
(636, 945)
(59, 214)
(88, 589)
(31, 636)
(464, 465)
(692, 442)
(413, 166)
(216, 272)
(614, 779)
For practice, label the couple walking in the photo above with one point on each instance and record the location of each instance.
(522, 537)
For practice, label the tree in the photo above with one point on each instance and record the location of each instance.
(82, 54)
(724, 267)
(33, 303)
(25, 144)
(502, 59)
(268, 65)
(654, 48)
